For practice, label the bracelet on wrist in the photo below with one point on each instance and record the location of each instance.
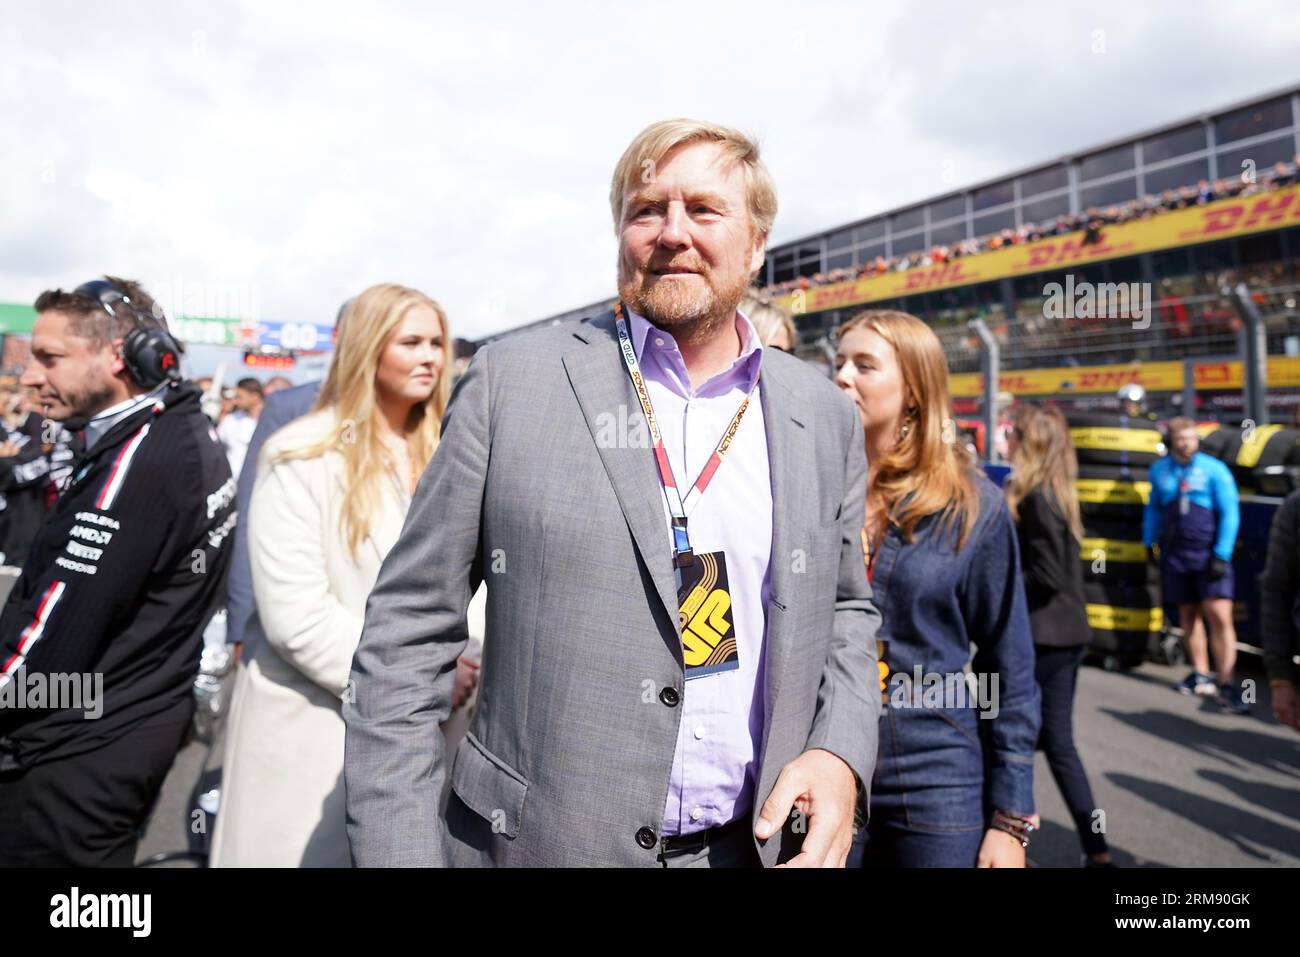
(1018, 827)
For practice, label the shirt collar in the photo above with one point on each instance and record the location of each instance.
(101, 423)
(751, 350)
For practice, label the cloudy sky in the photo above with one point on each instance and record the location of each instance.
(279, 157)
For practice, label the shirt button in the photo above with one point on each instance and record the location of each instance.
(670, 697)
(658, 341)
(646, 838)
(699, 731)
(697, 814)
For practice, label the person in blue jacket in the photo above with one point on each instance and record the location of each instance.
(1192, 516)
(953, 784)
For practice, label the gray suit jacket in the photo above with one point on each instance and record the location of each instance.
(569, 754)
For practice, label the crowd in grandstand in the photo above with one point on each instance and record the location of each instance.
(1091, 221)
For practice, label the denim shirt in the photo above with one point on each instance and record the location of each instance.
(937, 603)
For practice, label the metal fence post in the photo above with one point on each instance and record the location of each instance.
(1255, 356)
(990, 366)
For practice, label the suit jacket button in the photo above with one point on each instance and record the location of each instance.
(647, 838)
(670, 697)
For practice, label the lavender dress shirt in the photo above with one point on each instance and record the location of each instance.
(721, 733)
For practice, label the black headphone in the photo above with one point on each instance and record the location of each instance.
(151, 355)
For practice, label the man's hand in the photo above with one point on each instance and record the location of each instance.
(466, 679)
(822, 788)
(1284, 705)
(1217, 568)
(1000, 849)
(9, 449)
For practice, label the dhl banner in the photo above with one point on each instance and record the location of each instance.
(1198, 224)
(1279, 372)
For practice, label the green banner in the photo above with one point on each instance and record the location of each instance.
(17, 318)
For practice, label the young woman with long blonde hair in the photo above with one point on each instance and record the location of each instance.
(332, 492)
(1045, 503)
(953, 785)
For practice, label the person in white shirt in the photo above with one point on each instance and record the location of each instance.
(236, 429)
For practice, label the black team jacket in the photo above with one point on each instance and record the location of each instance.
(121, 580)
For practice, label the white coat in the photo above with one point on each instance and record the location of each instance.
(282, 799)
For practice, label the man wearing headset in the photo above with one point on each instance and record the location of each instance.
(122, 578)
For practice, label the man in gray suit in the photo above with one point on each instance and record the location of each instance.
(279, 410)
(680, 661)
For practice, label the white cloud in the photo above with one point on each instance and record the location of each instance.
(291, 154)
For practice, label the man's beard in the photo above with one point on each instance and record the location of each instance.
(692, 312)
(84, 404)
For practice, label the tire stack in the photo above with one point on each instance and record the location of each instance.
(1258, 457)
(1120, 586)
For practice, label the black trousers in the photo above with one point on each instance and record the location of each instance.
(1057, 670)
(87, 810)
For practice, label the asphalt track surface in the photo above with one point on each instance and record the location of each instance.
(1182, 783)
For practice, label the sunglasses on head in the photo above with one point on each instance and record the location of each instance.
(108, 296)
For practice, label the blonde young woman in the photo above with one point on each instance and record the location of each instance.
(953, 785)
(1042, 496)
(773, 324)
(331, 495)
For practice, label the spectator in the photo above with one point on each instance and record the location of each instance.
(1045, 504)
(587, 614)
(940, 549)
(1280, 601)
(237, 426)
(332, 493)
(773, 324)
(277, 383)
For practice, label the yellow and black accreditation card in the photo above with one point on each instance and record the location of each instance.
(704, 611)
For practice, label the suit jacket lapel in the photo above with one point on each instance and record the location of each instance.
(787, 420)
(603, 388)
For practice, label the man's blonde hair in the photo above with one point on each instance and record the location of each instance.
(657, 140)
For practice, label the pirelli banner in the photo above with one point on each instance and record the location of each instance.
(1281, 372)
(1199, 224)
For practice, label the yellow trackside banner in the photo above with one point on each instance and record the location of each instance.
(1152, 376)
(1112, 550)
(1222, 219)
(1118, 440)
(1112, 492)
(1280, 372)
(1110, 618)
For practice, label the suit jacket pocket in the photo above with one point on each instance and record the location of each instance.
(489, 787)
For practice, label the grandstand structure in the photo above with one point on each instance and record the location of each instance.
(1246, 229)
(1184, 210)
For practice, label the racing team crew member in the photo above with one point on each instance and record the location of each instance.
(121, 580)
(1193, 515)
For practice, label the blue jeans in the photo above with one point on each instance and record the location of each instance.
(927, 793)
(1056, 670)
